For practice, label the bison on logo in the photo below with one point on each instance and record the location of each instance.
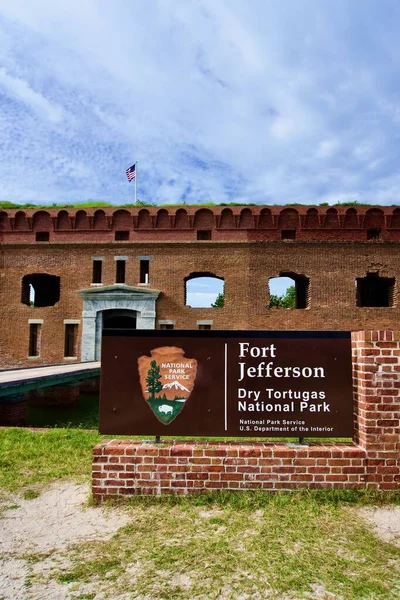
(167, 379)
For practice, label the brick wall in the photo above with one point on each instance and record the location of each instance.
(245, 267)
(122, 467)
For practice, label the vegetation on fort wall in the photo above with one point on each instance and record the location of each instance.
(103, 204)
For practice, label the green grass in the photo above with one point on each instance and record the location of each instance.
(30, 494)
(222, 545)
(28, 457)
(104, 204)
(286, 544)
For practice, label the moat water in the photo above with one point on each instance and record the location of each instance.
(82, 414)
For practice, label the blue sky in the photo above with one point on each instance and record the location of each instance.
(203, 291)
(218, 100)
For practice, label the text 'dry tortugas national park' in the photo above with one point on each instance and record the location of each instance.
(266, 394)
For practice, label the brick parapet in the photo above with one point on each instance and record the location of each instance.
(124, 467)
(181, 222)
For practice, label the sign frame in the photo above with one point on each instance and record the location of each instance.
(323, 360)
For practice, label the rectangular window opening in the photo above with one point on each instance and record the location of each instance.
(144, 271)
(204, 234)
(97, 268)
(42, 236)
(375, 291)
(120, 271)
(204, 327)
(166, 326)
(121, 236)
(71, 341)
(374, 234)
(34, 339)
(288, 234)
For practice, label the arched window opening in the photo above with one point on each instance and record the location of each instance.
(181, 219)
(374, 219)
(288, 219)
(227, 219)
(311, 220)
(246, 220)
(63, 220)
(42, 221)
(4, 221)
(266, 219)
(144, 220)
(395, 219)
(375, 291)
(351, 219)
(162, 219)
(100, 220)
(204, 290)
(289, 290)
(204, 219)
(21, 222)
(331, 219)
(40, 290)
(122, 220)
(82, 220)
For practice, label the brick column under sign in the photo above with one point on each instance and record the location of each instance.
(376, 370)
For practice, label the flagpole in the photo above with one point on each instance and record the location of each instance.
(135, 180)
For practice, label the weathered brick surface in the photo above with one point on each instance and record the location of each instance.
(376, 372)
(344, 467)
(123, 467)
(331, 249)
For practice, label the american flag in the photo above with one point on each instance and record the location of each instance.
(131, 172)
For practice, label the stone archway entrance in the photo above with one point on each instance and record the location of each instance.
(117, 306)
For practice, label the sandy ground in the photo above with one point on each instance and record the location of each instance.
(35, 536)
(49, 524)
(384, 521)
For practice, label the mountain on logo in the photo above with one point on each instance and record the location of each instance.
(174, 385)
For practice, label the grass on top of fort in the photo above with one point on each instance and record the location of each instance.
(224, 546)
(103, 204)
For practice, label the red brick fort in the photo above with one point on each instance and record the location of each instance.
(104, 267)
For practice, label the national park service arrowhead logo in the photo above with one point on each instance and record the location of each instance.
(167, 379)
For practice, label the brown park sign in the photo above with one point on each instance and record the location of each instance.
(226, 383)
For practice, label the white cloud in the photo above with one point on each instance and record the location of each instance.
(326, 148)
(222, 101)
(22, 91)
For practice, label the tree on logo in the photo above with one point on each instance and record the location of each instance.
(153, 380)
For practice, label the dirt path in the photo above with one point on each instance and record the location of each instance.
(47, 526)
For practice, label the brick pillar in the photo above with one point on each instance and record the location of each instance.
(376, 370)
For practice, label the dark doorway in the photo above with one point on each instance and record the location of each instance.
(119, 319)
